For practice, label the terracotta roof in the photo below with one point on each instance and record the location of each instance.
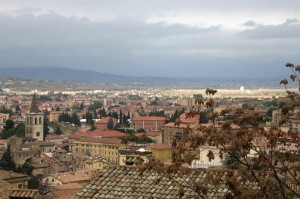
(183, 117)
(5, 189)
(54, 137)
(68, 186)
(70, 177)
(25, 193)
(129, 182)
(66, 191)
(149, 118)
(296, 121)
(159, 146)
(65, 141)
(2, 141)
(5, 175)
(75, 136)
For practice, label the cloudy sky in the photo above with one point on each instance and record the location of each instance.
(172, 38)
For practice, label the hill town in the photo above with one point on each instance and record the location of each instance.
(54, 143)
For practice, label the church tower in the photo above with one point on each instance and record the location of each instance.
(34, 122)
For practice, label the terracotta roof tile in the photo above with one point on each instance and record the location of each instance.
(129, 182)
(24, 193)
(105, 120)
(72, 177)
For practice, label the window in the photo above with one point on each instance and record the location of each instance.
(20, 186)
(52, 180)
(35, 120)
(40, 120)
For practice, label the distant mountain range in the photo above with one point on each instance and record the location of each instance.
(59, 74)
(74, 75)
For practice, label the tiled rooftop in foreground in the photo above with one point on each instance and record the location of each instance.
(126, 182)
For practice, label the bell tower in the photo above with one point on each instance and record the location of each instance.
(34, 122)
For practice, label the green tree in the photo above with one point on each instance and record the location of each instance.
(20, 130)
(5, 110)
(75, 119)
(8, 133)
(121, 117)
(18, 109)
(110, 124)
(89, 117)
(9, 124)
(58, 131)
(92, 123)
(7, 162)
(102, 113)
(203, 117)
(34, 182)
(26, 168)
(46, 126)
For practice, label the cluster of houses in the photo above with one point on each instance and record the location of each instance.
(68, 162)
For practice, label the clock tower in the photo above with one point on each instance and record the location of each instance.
(34, 122)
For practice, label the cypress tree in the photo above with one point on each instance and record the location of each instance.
(7, 162)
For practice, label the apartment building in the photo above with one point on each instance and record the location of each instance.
(105, 147)
(149, 123)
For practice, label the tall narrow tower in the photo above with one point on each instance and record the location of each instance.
(34, 122)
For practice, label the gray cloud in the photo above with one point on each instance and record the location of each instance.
(289, 29)
(250, 23)
(124, 43)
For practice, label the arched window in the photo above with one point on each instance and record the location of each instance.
(30, 120)
(35, 120)
(40, 120)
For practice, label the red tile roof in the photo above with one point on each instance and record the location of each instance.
(185, 119)
(72, 177)
(296, 121)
